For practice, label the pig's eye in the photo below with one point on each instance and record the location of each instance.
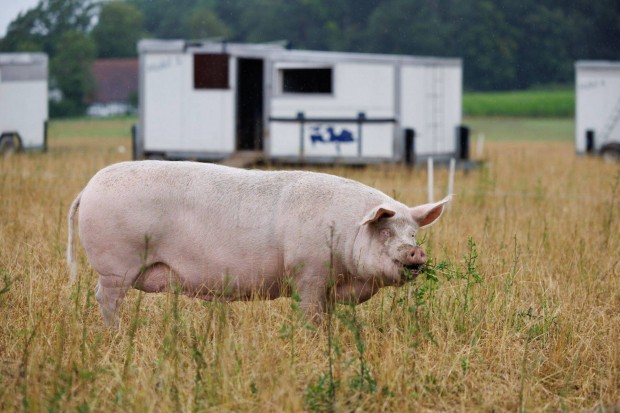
(386, 233)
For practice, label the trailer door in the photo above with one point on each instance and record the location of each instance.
(250, 104)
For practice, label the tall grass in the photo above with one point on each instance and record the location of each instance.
(519, 309)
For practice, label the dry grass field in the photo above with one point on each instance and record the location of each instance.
(520, 311)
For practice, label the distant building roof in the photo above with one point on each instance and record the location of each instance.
(115, 80)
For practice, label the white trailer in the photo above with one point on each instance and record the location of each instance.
(209, 100)
(597, 123)
(23, 101)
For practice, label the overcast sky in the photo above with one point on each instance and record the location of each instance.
(9, 9)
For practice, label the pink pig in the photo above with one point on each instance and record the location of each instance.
(227, 233)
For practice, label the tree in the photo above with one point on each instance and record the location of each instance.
(204, 23)
(118, 30)
(402, 26)
(59, 28)
(299, 21)
(166, 19)
(504, 44)
(20, 37)
(70, 68)
(543, 52)
(43, 26)
(598, 22)
(486, 42)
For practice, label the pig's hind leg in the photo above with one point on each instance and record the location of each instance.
(117, 273)
(110, 293)
(111, 289)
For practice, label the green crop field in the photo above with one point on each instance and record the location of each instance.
(530, 103)
(519, 309)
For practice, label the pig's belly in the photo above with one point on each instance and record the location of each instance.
(356, 291)
(214, 281)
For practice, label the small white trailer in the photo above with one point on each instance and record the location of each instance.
(209, 100)
(23, 101)
(597, 113)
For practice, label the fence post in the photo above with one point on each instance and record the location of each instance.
(409, 146)
(462, 142)
(429, 163)
(451, 177)
(361, 117)
(480, 145)
(134, 142)
(589, 141)
(302, 127)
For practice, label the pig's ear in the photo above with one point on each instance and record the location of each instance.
(427, 214)
(377, 213)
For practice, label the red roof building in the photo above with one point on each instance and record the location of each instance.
(116, 83)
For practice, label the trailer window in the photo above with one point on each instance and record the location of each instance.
(315, 80)
(210, 71)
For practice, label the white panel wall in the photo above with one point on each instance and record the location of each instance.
(431, 105)
(284, 139)
(23, 109)
(180, 118)
(163, 100)
(597, 103)
(357, 87)
(377, 140)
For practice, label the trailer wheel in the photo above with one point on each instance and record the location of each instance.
(9, 143)
(611, 152)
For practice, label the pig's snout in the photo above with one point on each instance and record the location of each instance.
(416, 258)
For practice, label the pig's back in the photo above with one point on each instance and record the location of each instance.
(230, 194)
(196, 215)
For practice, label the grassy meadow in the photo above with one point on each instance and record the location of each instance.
(520, 310)
(522, 129)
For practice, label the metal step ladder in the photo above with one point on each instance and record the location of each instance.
(436, 103)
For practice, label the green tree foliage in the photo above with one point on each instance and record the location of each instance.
(119, 28)
(596, 27)
(59, 28)
(504, 44)
(203, 23)
(486, 42)
(166, 19)
(298, 21)
(44, 25)
(71, 68)
(408, 27)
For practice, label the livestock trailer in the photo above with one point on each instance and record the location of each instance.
(209, 100)
(23, 101)
(597, 123)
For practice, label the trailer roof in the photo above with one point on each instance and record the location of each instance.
(277, 52)
(597, 65)
(328, 56)
(23, 67)
(182, 46)
(23, 59)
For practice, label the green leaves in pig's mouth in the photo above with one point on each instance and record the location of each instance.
(410, 272)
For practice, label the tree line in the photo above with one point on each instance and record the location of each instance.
(504, 44)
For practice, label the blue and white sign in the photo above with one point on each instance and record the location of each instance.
(328, 134)
(326, 138)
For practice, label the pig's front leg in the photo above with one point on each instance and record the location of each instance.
(311, 290)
